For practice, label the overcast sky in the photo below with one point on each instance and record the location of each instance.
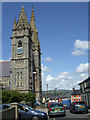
(63, 34)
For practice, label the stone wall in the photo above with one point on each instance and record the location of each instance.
(5, 80)
(8, 114)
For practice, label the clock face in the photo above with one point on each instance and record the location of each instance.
(19, 50)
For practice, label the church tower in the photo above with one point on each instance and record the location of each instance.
(36, 55)
(25, 56)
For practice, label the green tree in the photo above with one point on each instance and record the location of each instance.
(29, 97)
(14, 96)
(6, 95)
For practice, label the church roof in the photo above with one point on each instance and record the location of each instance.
(76, 92)
(5, 68)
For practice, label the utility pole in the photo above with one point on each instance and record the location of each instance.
(55, 94)
(47, 96)
(47, 91)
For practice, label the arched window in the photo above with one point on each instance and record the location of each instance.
(19, 48)
(17, 83)
(9, 82)
(20, 44)
(21, 83)
(21, 75)
(18, 76)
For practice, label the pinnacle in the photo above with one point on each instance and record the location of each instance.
(14, 25)
(22, 5)
(32, 14)
(22, 18)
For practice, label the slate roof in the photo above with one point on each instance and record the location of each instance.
(86, 80)
(5, 68)
(76, 92)
(64, 95)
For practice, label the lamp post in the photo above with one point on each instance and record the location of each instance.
(34, 85)
(47, 91)
(55, 94)
(10, 80)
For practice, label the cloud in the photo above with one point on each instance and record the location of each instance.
(44, 68)
(49, 78)
(82, 68)
(49, 59)
(80, 47)
(81, 44)
(64, 80)
(78, 52)
(64, 73)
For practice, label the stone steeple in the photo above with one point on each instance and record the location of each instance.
(14, 25)
(22, 21)
(32, 21)
(33, 29)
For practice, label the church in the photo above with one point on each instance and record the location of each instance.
(25, 64)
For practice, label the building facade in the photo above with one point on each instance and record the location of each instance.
(75, 95)
(85, 91)
(25, 72)
(5, 74)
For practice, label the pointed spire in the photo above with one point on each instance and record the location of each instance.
(22, 21)
(32, 14)
(14, 25)
(33, 28)
(32, 21)
(22, 5)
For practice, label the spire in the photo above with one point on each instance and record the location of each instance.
(14, 25)
(32, 21)
(22, 21)
(32, 15)
(22, 5)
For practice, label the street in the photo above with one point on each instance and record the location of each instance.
(69, 116)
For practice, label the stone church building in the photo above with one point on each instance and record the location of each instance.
(25, 70)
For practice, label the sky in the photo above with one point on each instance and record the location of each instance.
(63, 35)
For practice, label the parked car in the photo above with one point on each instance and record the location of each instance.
(4, 106)
(78, 106)
(48, 105)
(66, 103)
(56, 109)
(28, 113)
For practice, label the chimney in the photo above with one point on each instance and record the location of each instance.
(73, 89)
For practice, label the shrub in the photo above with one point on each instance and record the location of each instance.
(14, 96)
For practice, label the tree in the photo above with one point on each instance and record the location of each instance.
(14, 96)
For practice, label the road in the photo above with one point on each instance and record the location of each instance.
(69, 116)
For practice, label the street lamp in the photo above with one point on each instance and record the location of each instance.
(47, 91)
(55, 94)
(10, 80)
(34, 83)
